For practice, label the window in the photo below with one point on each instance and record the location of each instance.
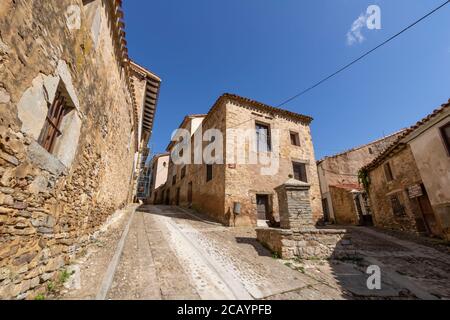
(397, 207)
(295, 139)
(183, 172)
(263, 139)
(300, 172)
(370, 151)
(52, 127)
(388, 172)
(174, 179)
(445, 131)
(209, 172)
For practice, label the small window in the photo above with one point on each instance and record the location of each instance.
(445, 131)
(263, 139)
(174, 179)
(209, 172)
(165, 164)
(388, 172)
(295, 139)
(397, 207)
(300, 172)
(52, 127)
(183, 172)
(370, 151)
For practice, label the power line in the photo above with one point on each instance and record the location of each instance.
(363, 56)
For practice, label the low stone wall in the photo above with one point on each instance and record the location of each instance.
(306, 244)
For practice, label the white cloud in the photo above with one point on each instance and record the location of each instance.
(354, 35)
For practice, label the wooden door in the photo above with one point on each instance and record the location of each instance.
(262, 206)
(168, 197)
(428, 215)
(178, 197)
(190, 193)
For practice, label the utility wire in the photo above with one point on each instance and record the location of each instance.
(363, 56)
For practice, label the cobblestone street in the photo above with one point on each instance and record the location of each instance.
(173, 253)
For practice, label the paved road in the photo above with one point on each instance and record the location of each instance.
(172, 253)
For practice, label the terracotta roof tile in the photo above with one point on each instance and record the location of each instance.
(361, 146)
(265, 107)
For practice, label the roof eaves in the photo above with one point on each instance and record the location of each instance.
(399, 143)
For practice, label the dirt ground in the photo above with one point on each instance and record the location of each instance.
(172, 253)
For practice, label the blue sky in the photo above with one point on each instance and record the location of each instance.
(269, 50)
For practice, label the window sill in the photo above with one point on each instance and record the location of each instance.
(45, 160)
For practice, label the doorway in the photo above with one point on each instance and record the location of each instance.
(262, 208)
(168, 197)
(428, 213)
(190, 193)
(326, 211)
(362, 209)
(177, 200)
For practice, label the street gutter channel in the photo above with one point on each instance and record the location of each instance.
(110, 272)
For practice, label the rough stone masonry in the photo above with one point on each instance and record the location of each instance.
(298, 237)
(52, 203)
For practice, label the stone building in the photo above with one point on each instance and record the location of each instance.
(344, 200)
(169, 171)
(159, 169)
(147, 87)
(241, 193)
(72, 122)
(410, 181)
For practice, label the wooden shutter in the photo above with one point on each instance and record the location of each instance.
(52, 124)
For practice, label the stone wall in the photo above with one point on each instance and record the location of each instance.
(207, 196)
(244, 182)
(344, 206)
(433, 162)
(298, 237)
(310, 244)
(51, 205)
(343, 168)
(405, 174)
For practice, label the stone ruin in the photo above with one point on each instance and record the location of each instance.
(297, 236)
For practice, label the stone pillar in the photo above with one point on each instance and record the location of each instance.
(295, 205)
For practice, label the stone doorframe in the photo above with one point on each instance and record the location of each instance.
(254, 194)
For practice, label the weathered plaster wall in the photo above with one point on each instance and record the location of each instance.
(160, 173)
(433, 162)
(52, 205)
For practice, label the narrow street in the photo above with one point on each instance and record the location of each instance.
(172, 253)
